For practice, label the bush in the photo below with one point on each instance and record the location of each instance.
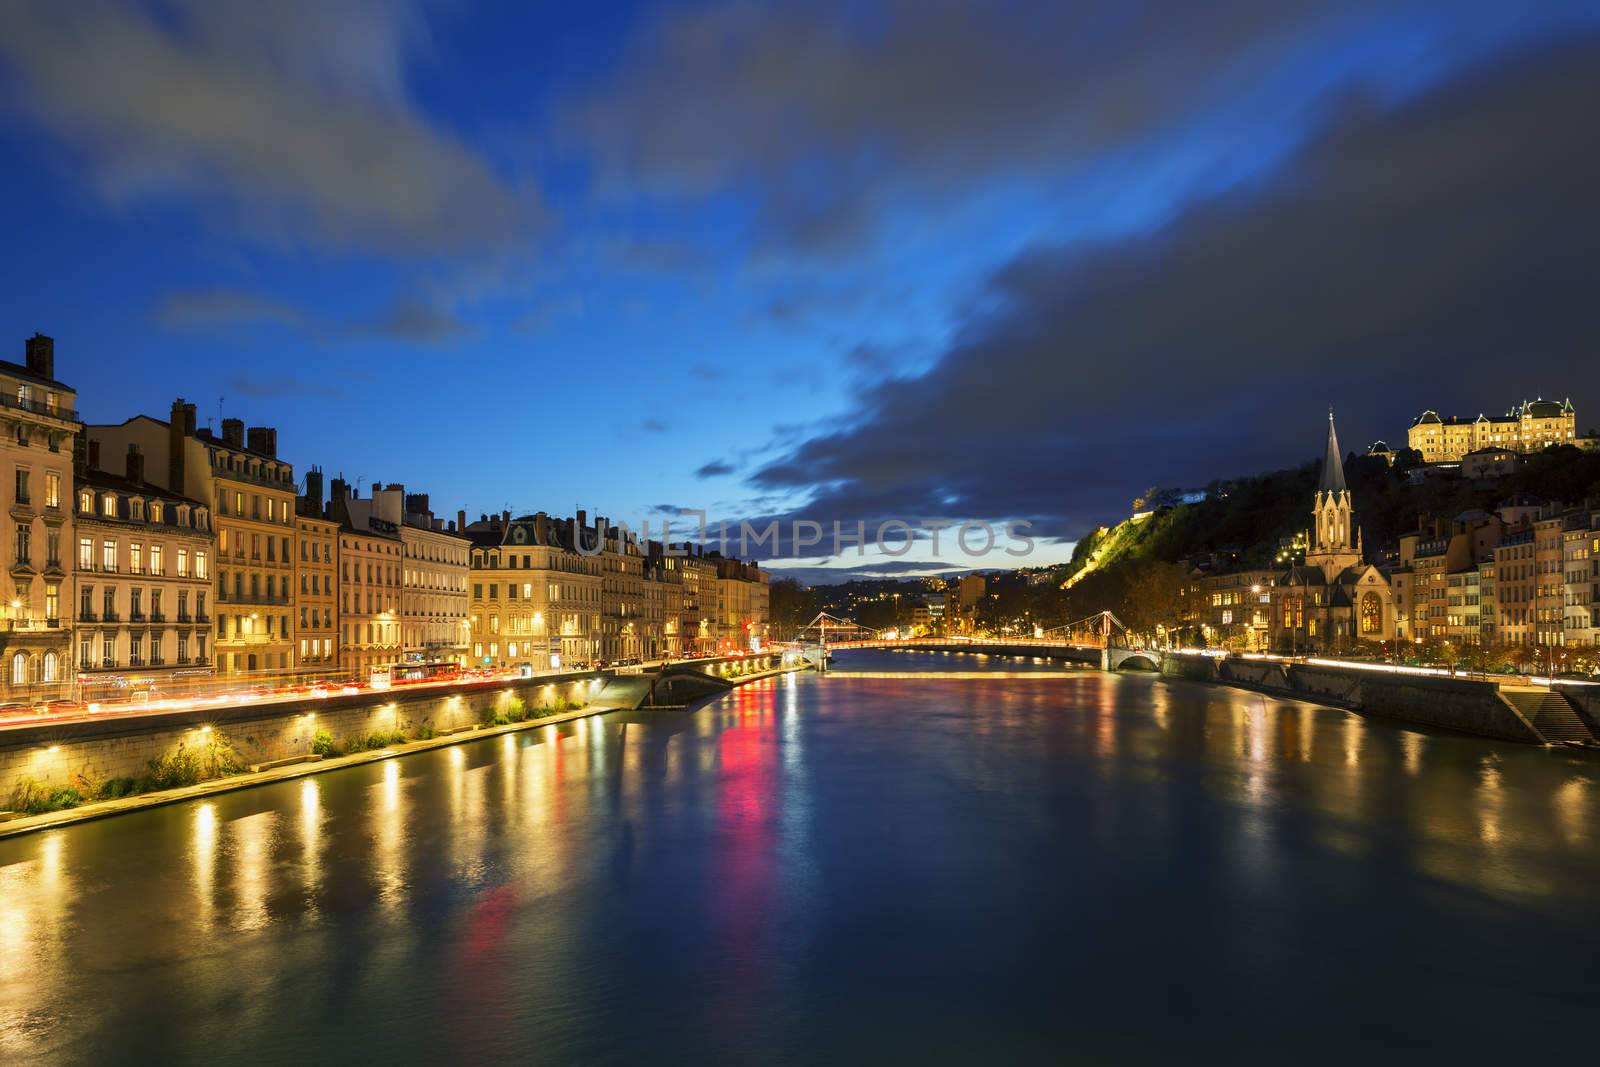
(491, 717)
(173, 770)
(32, 797)
(425, 731)
(322, 744)
(112, 788)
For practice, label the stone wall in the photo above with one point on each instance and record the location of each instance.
(1197, 668)
(90, 752)
(1458, 704)
(1585, 700)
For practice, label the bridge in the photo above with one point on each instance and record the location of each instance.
(1093, 640)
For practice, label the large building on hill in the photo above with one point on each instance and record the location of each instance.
(1530, 426)
(1335, 597)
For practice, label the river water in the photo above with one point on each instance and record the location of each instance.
(919, 858)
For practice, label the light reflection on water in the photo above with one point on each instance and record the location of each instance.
(814, 868)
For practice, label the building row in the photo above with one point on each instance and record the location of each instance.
(152, 556)
(1525, 574)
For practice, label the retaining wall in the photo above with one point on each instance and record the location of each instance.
(1459, 704)
(92, 751)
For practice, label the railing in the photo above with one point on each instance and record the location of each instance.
(38, 407)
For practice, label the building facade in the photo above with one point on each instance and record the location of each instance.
(370, 556)
(251, 494)
(433, 585)
(1529, 427)
(316, 623)
(142, 572)
(535, 599)
(37, 440)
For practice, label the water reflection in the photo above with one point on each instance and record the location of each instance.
(810, 864)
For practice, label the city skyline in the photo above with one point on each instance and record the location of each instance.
(559, 258)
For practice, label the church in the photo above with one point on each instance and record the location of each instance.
(1335, 598)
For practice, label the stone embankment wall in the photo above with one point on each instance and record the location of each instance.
(90, 752)
(1472, 707)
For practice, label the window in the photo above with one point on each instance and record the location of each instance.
(157, 511)
(22, 485)
(200, 565)
(155, 560)
(86, 501)
(108, 505)
(108, 555)
(52, 489)
(135, 558)
(52, 600)
(136, 510)
(19, 669)
(183, 563)
(24, 545)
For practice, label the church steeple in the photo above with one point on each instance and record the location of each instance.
(1332, 461)
(1335, 541)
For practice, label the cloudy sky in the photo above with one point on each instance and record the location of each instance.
(853, 261)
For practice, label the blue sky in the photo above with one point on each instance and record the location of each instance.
(559, 256)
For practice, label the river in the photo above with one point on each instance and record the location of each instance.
(919, 858)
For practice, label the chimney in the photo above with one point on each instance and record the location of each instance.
(264, 439)
(583, 517)
(461, 519)
(312, 500)
(417, 504)
(505, 518)
(233, 433)
(41, 355)
(541, 528)
(179, 429)
(94, 455)
(135, 464)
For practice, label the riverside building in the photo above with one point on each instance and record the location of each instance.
(251, 495)
(38, 434)
(142, 569)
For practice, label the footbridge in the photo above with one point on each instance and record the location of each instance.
(1100, 641)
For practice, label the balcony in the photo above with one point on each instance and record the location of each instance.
(136, 661)
(136, 616)
(158, 616)
(29, 626)
(183, 616)
(38, 407)
(110, 616)
(22, 507)
(86, 616)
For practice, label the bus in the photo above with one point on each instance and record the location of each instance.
(412, 673)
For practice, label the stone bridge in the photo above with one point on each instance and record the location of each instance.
(1107, 658)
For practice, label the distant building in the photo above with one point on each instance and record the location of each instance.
(1529, 427)
(1494, 461)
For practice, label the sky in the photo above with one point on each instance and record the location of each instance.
(921, 261)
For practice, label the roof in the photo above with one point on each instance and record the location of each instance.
(18, 370)
(1542, 409)
(1332, 462)
(99, 479)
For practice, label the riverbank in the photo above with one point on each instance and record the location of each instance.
(17, 825)
(1527, 714)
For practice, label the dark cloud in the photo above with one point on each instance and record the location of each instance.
(419, 321)
(653, 426)
(212, 308)
(832, 114)
(1440, 253)
(410, 318)
(716, 468)
(292, 117)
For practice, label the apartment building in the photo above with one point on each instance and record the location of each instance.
(371, 559)
(535, 600)
(1515, 585)
(251, 494)
(623, 633)
(316, 621)
(142, 570)
(433, 584)
(37, 441)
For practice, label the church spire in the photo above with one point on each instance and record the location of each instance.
(1332, 462)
